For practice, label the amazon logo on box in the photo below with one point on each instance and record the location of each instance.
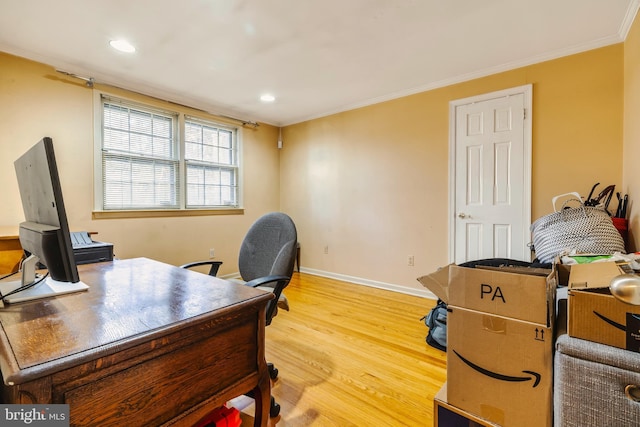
(500, 368)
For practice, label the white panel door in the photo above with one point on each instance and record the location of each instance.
(491, 166)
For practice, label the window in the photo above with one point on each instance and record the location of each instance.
(211, 157)
(153, 159)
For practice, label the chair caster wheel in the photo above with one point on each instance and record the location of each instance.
(273, 373)
(274, 409)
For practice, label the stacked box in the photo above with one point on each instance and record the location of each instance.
(499, 342)
(447, 415)
(596, 315)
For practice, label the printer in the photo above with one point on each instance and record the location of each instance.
(86, 251)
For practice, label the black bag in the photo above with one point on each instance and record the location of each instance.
(436, 321)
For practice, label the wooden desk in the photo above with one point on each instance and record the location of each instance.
(10, 250)
(148, 344)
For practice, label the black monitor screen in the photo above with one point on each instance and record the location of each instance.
(45, 233)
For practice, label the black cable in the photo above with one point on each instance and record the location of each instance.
(25, 287)
(9, 275)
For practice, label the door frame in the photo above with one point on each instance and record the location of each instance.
(527, 91)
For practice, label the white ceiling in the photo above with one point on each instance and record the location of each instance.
(316, 56)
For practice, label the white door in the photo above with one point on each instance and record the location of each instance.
(490, 190)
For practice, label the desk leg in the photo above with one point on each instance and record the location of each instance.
(262, 392)
(262, 396)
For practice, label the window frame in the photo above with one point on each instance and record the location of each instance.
(233, 152)
(182, 114)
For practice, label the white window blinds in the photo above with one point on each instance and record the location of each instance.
(211, 159)
(142, 166)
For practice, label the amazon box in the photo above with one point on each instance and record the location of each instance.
(596, 315)
(446, 415)
(519, 293)
(500, 368)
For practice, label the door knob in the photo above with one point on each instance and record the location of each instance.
(463, 215)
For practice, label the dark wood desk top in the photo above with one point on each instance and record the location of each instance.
(128, 302)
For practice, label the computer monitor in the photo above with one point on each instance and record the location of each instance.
(45, 233)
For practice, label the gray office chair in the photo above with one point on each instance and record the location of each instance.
(266, 261)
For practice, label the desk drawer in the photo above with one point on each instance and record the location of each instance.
(155, 391)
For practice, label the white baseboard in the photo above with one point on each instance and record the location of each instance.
(425, 293)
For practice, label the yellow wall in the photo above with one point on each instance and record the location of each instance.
(632, 130)
(372, 183)
(35, 101)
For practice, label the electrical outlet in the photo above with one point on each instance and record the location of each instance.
(211, 252)
(326, 250)
(410, 261)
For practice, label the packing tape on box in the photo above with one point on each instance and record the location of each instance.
(492, 413)
(494, 324)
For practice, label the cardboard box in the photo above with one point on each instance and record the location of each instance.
(500, 368)
(499, 342)
(528, 297)
(596, 315)
(588, 276)
(447, 415)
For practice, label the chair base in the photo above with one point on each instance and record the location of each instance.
(274, 407)
(273, 371)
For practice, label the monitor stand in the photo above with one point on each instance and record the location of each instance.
(47, 288)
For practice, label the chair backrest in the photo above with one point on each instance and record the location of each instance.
(269, 247)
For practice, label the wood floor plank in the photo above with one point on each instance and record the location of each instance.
(352, 355)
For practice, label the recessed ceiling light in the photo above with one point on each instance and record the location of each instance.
(122, 46)
(267, 97)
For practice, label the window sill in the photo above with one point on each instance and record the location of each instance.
(164, 213)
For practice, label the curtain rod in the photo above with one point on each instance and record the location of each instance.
(90, 81)
(244, 122)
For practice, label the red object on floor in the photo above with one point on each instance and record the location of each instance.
(221, 417)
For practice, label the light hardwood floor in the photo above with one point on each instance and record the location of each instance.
(352, 355)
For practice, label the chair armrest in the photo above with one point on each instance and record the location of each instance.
(261, 281)
(280, 283)
(213, 271)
